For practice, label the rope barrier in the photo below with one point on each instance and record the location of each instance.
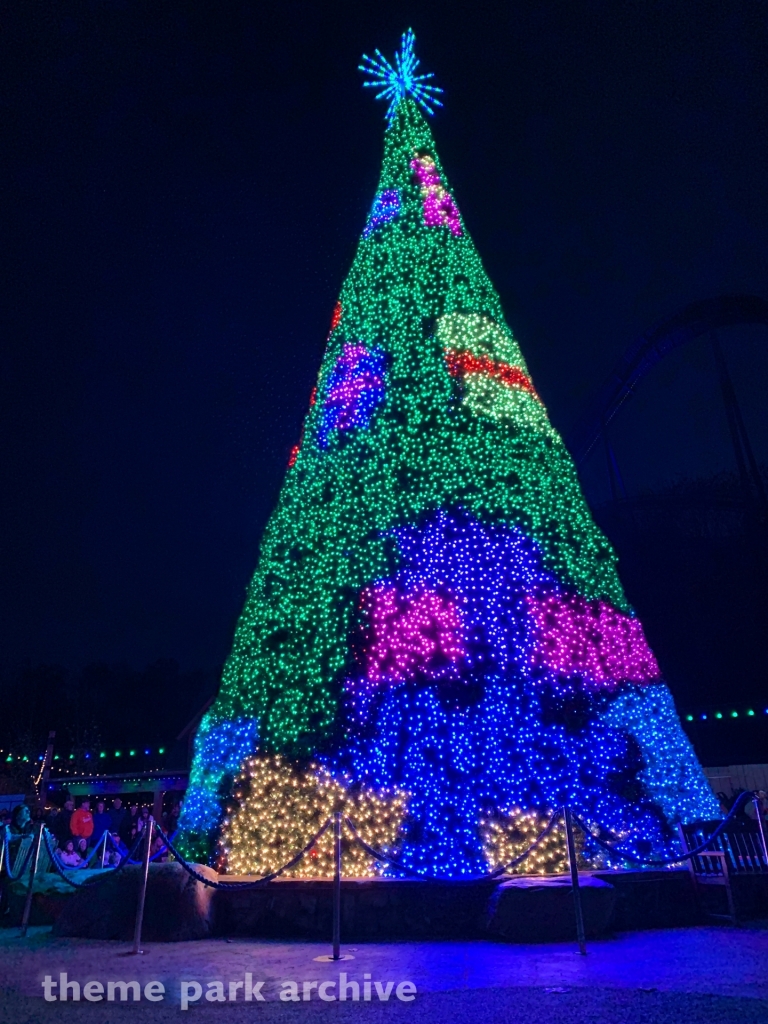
(59, 868)
(119, 847)
(371, 851)
(613, 849)
(540, 838)
(92, 854)
(377, 854)
(257, 883)
(565, 812)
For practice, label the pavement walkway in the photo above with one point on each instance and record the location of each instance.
(697, 975)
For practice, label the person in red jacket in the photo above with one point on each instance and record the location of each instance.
(81, 823)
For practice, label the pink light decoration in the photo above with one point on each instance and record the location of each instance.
(439, 207)
(411, 635)
(590, 638)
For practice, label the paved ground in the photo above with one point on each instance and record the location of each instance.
(696, 976)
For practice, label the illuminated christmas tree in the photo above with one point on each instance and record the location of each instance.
(435, 633)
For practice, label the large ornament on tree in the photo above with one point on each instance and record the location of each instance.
(435, 636)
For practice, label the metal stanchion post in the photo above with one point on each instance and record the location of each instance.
(575, 881)
(761, 825)
(3, 841)
(337, 885)
(103, 847)
(32, 873)
(336, 954)
(142, 890)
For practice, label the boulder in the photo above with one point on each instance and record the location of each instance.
(50, 896)
(372, 909)
(540, 909)
(177, 907)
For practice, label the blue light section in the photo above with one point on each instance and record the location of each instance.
(516, 737)
(395, 83)
(672, 775)
(220, 749)
(386, 206)
(458, 764)
(492, 568)
(355, 386)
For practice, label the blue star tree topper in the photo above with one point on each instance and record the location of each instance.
(401, 80)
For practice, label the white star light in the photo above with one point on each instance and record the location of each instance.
(400, 81)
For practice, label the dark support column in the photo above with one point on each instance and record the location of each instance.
(157, 806)
(42, 793)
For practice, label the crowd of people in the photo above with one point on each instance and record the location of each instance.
(77, 831)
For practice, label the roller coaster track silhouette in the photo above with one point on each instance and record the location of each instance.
(700, 318)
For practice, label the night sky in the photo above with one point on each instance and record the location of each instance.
(183, 185)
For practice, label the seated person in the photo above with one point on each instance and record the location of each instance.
(69, 856)
(159, 849)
